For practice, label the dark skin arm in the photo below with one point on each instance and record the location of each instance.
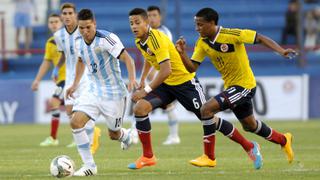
(181, 48)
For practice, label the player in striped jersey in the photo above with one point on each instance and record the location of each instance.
(99, 52)
(226, 50)
(52, 56)
(65, 39)
(173, 82)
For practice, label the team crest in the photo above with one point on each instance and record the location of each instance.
(97, 50)
(224, 47)
(149, 52)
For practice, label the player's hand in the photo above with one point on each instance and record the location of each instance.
(54, 74)
(132, 85)
(70, 91)
(35, 85)
(141, 85)
(289, 53)
(139, 94)
(181, 45)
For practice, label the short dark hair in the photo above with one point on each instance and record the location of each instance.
(54, 15)
(139, 11)
(68, 5)
(154, 8)
(208, 14)
(85, 14)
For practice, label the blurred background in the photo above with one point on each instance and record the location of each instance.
(287, 89)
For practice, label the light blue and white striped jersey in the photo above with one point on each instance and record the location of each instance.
(166, 31)
(101, 58)
(66, 42)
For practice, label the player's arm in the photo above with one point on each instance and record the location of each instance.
(164, 73)
(190, 65)
(80, 67)
(127, 59)
(43, 69)
(267, 42)
(145, 72)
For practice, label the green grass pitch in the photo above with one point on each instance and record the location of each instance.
(22, 158)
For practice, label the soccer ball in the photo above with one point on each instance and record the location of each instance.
(62, 166)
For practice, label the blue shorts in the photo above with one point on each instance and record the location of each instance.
(22, 20)
(238, 99)
(189, 94)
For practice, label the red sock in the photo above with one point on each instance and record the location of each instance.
(277, 138)
(208, 145)
(54, 127)
(237, 137)
(145, 138)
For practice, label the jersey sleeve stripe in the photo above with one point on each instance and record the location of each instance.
(153, 38)
(110, 40)
(164, 61)
(153, 43)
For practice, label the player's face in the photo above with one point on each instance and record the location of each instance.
(68, 16)
(54, 24)
(203, 27)
(138, 25)
(154, 19)
(87, 29)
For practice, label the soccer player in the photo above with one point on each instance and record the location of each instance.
(99, 52)
(226, 50)
(52, 56)
(65, 39)
(173, 82)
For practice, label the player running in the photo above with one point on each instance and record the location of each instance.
(172, 82)
(99, 52)
(65, 40)
(225, 47)
(52, 56)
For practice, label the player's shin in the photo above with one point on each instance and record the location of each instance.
(144, 130)
(227, 129)
(83, 145)
(55, 118)
(209, 130)
(271, 135)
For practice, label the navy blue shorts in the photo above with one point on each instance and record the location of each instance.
(189, 94)
(238, 99)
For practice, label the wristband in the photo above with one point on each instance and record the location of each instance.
(147, 89)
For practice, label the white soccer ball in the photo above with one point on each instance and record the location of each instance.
(62, 166)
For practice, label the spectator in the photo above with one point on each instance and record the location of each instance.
(291, 22)
(311, 29)
(23, 19)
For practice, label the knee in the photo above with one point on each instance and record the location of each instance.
(141, 109)
(205, 111)
(249, 127)
(54, 103)
(76, 122)
(114, 135)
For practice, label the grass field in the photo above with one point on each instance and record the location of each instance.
(22, 158)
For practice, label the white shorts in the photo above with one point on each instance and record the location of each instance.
(111, 110)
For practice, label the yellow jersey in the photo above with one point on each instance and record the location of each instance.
(159, 48)
(53, 55)
(228, 54)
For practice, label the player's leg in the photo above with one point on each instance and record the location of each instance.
(173, 137)
(233, 97)
(84, 109)
(251, 124)
(191, 96)
(55, 102)
(159, 97)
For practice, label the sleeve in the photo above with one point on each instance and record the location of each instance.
(247, 36)
(48, 51)
(113, 45)
(198, 54)
(58, 41)
(160, 47)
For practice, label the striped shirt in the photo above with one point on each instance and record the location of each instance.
(66, 42)
(101, 58)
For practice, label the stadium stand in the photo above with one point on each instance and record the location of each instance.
(267, 19)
